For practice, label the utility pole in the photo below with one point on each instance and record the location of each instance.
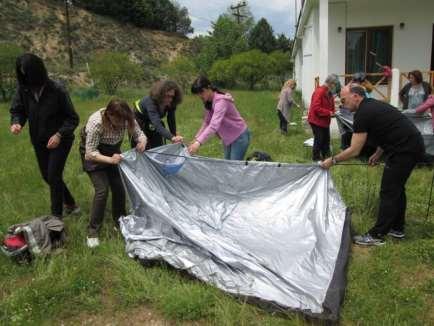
(237, 9)
(68, 33)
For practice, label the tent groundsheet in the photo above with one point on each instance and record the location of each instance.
(422, 122)
(274, 233)
(424, 125)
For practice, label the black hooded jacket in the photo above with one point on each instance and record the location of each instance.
(53, 112)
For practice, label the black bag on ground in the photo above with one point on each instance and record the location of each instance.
(260, 156)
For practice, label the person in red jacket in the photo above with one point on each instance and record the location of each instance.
(321, 109)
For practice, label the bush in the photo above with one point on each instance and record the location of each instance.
(113, 69)
(86, 93)
(221, 73)
(182, 70)
(280, 65)
(251, 67)
(8, 55)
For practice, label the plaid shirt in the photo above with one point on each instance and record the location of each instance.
(95, 134)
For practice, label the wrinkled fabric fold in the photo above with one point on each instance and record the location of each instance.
(263, 230)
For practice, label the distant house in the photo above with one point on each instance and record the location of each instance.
(348, 36)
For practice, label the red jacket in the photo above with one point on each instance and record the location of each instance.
(322, 106)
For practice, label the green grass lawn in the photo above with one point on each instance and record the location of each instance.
(391, 285)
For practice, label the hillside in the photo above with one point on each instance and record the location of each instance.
(39, 26)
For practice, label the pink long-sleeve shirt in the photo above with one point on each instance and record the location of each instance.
(223, 119)
(428, 104)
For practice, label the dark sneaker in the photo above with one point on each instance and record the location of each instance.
(368, 240)
(396, 234)
(71, 210)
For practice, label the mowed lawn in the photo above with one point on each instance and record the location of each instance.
(391, 285)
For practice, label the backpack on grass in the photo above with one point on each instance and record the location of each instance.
(260, 156)
(37, 237)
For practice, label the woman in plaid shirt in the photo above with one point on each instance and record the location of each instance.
(100, 150)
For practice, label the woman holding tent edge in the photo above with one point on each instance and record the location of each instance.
(164, 97)
(222, 118)
(100, 150)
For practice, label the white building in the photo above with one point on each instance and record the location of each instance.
(348, 36)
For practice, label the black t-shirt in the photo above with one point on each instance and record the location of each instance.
(387, 127)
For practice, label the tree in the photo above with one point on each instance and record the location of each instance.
(112, 69)
(183, 21)
(251, 67)
(204, 53)
(181, 70)
(280, 65)
(261, 37)
(8, 55)
(283, 43)
(247, 20)
(222, 73)
(156, 14)
(227, 38)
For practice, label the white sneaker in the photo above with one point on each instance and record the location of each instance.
(92, 242)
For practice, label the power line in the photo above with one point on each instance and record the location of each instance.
(68, 33)
(237, 9)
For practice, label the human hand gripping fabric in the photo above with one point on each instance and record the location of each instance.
(194, 147)
(141, 146)
(327, 163)
(54, 141)
(16, 128)
(178, 139)
(373, 159)
(116, 159)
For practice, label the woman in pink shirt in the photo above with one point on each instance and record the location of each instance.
(222, 119)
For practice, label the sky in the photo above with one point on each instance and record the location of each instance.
(279, 13)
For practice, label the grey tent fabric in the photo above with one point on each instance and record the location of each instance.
(422, 122)
(37, 233)
(277, 233)
(345, 119)
(424, 125)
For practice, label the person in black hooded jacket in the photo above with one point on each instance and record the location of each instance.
(46, 105)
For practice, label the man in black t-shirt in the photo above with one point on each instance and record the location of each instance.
(403, 147)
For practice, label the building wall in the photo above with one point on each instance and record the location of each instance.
(412, 45)
(310, 55)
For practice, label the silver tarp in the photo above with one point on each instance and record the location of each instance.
(421, 121)
(424, 125)
(273, 232)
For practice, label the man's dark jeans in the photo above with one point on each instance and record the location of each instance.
(393, 200)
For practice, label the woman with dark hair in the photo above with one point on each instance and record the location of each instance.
(46, 105)
(163, 100)
(415, 92)
(100, 150)
(221, 118)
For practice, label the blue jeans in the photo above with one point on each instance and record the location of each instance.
(238, 148)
